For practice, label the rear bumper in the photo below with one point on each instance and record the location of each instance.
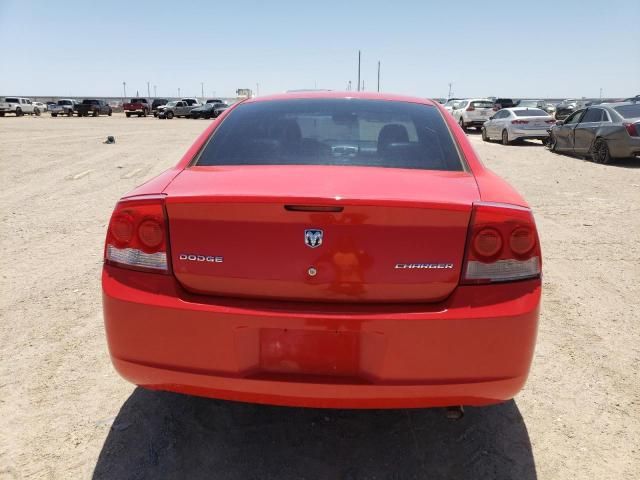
(535, 134)
(473, 349)
(624, 148)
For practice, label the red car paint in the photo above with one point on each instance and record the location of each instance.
(371, 329)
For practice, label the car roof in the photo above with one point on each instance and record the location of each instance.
(337, 94)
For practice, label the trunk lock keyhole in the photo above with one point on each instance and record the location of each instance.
(312, 271)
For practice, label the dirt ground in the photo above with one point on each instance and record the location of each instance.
(65, 413)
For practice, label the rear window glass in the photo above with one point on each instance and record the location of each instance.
(11, 100)
(138, 100)
(333, 132)
(90, 102)
(629, 111)
(531, 112)
(64, 102)
(482, 104)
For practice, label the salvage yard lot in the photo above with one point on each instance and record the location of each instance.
(65, 413)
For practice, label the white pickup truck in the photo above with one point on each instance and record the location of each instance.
(64, 106)
(19, 106)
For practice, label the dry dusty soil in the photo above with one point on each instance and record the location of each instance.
(65, 413)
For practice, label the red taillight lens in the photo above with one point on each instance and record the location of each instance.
(487, 243)
(632, 129)
(137, 235)
(502, 245)
(519, 122)
(550, 121)
(470, 108)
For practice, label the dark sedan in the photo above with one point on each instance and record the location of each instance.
(208, 110)
(603, 132)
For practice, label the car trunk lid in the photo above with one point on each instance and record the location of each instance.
(320, 233)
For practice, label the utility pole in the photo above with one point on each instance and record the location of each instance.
(202, 90)
(124, 89)
(257, 89)
(178, 91)
(449, 95)
(363, 85)
(155, 91)
(349, 86)
(359, 58)
(378, 75)
(148, 89)
(600, 93)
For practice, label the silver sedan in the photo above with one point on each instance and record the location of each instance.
(518, 123)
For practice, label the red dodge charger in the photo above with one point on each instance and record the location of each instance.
(344, 250)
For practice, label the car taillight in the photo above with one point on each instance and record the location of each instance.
(519, 122)
(502, 245)
(550, 121)
(470, 108)
(632, 129)
(137, 237)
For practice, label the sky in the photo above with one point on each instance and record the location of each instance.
(551, 49)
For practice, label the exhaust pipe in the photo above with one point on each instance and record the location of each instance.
(454, 413)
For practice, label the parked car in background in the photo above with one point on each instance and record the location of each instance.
(208, 110)
(632, 99)
(177, 108)
(517, 123)
(568, 106)
(157, 102)
(214, 100)
(41, 106)
(531, 104)
(64, 106)
(50, 104)
(221, 107)
(192, 102)
(604, 132)
(18, 106)
(451, 104)
(280, 263)
(473, 112)
(92, 107)
(503, 103)
(137, 106)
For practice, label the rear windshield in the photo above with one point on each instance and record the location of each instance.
(482, 104)
(531, 112)
(11, 100)
(138, 100)
(628, 111)
(528, 103)
(90, 102)
(333, 132)
(64, 102)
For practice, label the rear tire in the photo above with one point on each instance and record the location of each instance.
(1, 114)
(485, 137)
(70, 113)
(462, 125)
(95, 113)
(19, 112)
(600, 152)
(110, 112)
(505, 137)
(139, 115)
(169, 115)
(128, 115)
(54, 114)
(36, 112)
